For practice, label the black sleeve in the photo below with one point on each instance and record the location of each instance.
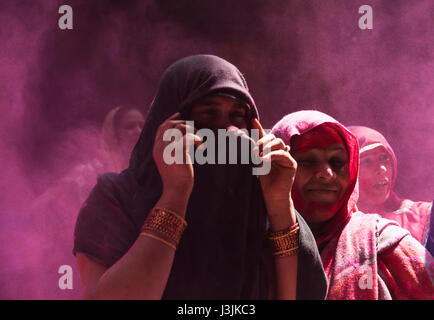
(429, 242)
(312, 282)
(103, 230)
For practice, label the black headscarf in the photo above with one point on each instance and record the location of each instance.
(219, 255)
(184, 82)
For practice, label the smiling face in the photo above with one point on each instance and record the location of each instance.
(219, 113)
(321, 181)
(375, 177)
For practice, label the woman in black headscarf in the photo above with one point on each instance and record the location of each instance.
(221, 253)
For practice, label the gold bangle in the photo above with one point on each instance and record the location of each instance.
(157, 238)
(285, 242)
(182, 220)
(165, 223)
(286, 253)
(275, 234)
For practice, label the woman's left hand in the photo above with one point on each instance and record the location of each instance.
(277, 184)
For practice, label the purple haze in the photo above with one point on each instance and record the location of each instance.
(56, 87)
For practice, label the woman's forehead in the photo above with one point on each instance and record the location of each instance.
(218, 102)
(331, 149)
(132, 116)
(377, 150)
(321, 137)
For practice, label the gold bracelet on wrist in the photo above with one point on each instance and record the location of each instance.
(285, 242)
(150, 235)
(164, 225)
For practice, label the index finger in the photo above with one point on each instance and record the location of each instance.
(256, 125)
(162, 126)
(174, 116)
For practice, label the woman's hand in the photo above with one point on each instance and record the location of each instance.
(277, 184)
(177, 178)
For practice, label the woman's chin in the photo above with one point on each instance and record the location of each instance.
(323, 198)
(318, 216)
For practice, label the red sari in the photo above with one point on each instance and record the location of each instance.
(364, 255)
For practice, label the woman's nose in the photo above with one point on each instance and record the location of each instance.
(325, 173)
(233, 128)
(223, 123)
(381, 169)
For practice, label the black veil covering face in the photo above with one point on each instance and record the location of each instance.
(219, 255)
(223, 240)
(184, 82)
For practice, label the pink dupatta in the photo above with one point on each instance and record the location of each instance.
(364, 256)
(413, 216)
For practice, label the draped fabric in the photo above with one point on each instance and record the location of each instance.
(429, 242)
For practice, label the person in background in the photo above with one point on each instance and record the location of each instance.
(364, 255)
(54, 212)
(120, 132)
(377, 176)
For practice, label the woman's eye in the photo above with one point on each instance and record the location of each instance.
(238, 116)
(337, 164)
(208, 113)
(130, 126)
(384, 158)
(365, 162)
(306, 162)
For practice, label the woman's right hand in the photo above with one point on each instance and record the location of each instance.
(177, 178)
(277, 184)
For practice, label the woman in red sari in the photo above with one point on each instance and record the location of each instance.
(378, 170)
(364, 256)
